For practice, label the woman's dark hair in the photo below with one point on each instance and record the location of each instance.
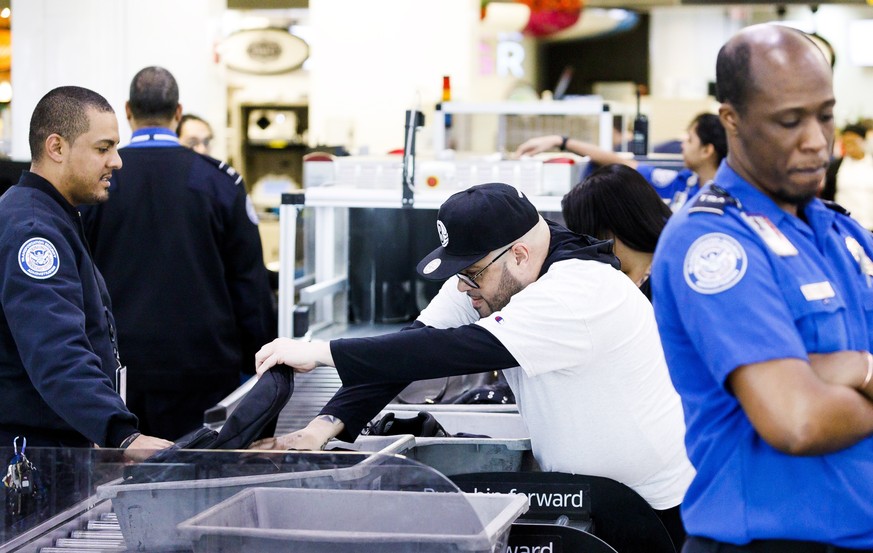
(615, 201)
(710, 131)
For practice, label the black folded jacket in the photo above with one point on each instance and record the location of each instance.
(254, 417)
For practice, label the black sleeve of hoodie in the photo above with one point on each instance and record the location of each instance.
(374, 370)
(357, 405)
(423, 352)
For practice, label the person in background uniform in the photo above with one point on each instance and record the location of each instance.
(849, 179)
(195, 133)
(576, 340)
(764, 301)
(616, 203)
(179, 246)
(58, 355)
(703, 148)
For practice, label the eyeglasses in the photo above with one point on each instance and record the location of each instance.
(471, 280)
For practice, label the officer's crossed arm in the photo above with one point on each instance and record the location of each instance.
(797, 411)
(853, 369)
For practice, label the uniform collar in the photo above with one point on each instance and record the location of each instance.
(153, 137)
(756, 202)
(32, 180)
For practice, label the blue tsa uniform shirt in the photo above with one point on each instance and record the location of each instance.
(57, 361)
(674, 187)
(736, 281)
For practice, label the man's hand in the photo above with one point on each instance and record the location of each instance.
(300, 355)
(538, 144)
(312, 438)
(843, 368)
(144, 447)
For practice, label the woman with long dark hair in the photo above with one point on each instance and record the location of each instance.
(616, 202)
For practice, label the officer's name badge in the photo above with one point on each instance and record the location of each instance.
(857, 251)
(771, 235)
(817, 291)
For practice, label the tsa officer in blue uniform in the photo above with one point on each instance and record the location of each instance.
(193, 301)
(703, 148)
(59, 364)
(764, 301)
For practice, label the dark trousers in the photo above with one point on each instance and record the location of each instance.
(672, 521)
(172, 414)
(694, 544)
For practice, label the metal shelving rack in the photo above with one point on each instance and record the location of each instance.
(328, 280)
(589, 107)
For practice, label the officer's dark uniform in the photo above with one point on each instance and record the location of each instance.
(179, 246)
(57, 362)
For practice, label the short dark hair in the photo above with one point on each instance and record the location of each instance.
(617, 201)
(190, 117)
(855, 128)
(733, 74)
(154, 95)
(710, 131)
(63, 111)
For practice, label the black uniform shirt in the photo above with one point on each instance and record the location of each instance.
(57, 363)
(180, 248)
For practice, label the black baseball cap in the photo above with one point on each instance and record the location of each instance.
(474, 222)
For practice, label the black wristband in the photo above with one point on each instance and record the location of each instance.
(129, 440)
(564, 140)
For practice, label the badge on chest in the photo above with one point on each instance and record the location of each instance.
(865, 264)
(770, 234)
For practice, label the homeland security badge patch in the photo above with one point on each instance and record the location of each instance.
(38, 258)
(714, 263)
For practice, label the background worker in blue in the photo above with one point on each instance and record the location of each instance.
(703, 148)
(58, 357)
(179, 246)
(764, 301)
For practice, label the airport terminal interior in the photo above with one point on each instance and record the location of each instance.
(349, 123)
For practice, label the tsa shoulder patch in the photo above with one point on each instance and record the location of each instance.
(38, 258)
(715, 262)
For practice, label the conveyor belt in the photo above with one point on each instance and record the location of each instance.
(87, 527)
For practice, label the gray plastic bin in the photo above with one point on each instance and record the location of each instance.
(386, 445)
(149, 512)
(268, 520)
(507, 448)
(471, 421)
(452, 456)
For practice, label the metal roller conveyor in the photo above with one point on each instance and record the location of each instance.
(88, 527)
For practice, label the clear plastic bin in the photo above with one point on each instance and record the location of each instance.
(267, 520)
(149, 512)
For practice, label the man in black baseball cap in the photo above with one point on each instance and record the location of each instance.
(472, 223)
(573, 336)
